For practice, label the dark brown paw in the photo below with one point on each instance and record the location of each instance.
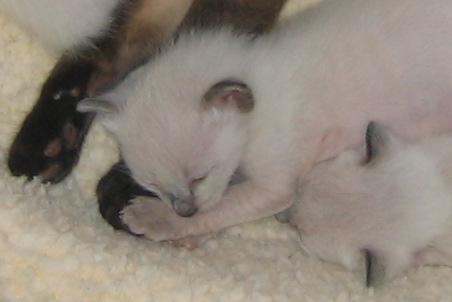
(50, 140)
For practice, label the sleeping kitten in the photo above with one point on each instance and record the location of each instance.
(214, 103)
(390, 209)
(103, 41)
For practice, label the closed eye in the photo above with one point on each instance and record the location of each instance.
(196, 181)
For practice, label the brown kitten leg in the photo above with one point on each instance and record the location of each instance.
(50, 139)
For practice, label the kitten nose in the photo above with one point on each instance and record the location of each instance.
(184, 207)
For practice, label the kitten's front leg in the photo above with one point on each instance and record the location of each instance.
(150, 216)
(50, 139)
(244, 202)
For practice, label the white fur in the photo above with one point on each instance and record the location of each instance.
(62, 24)
(317, 81)
(398, 207)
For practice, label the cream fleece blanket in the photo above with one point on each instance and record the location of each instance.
(54, 246)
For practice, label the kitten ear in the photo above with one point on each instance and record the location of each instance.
(99, 106)
(229, 93)
(106, 110)
(378, 141)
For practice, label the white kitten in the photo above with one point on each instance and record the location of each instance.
(393, 208)
(214, 103)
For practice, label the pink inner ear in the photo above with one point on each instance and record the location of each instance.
(234, 97)
(229, 93)
(238, 99)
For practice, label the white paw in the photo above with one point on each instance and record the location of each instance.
(153, 219)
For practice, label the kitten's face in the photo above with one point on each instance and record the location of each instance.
(187, 158)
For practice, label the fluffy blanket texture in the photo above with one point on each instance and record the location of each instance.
(54, 246)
